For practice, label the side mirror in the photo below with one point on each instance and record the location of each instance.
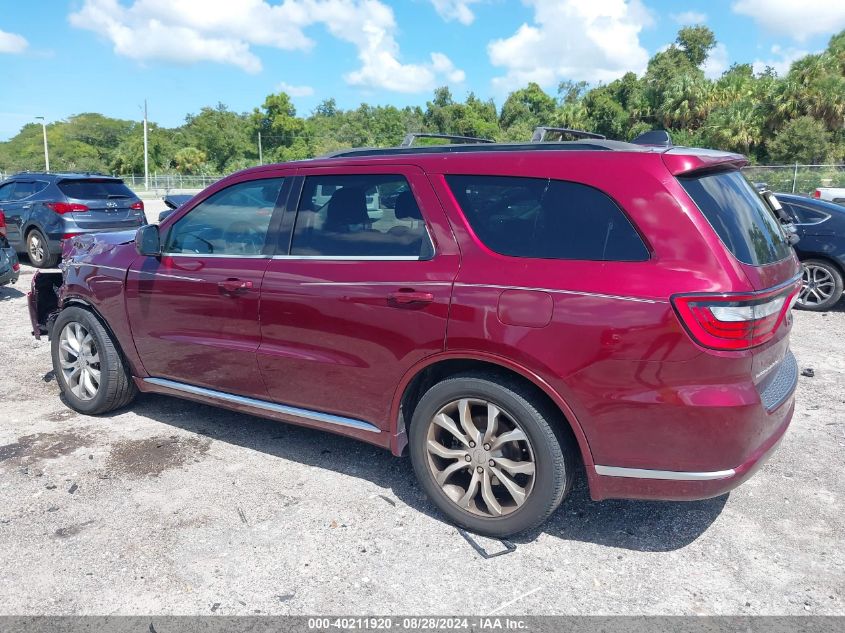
(165, 214)
(148, 241)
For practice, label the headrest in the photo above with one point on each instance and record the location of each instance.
(347, 206)
(406, 207)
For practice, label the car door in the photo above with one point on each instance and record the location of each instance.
(16, 207)
(361, 294)
(194, 310)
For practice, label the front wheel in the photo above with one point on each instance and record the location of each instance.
(88, 365)
(488, 453)
(821, 285)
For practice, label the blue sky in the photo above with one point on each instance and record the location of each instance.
(62, 58)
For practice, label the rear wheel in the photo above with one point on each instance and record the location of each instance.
(821, 285)
(38, 250)
(87, 364)
(487, 453)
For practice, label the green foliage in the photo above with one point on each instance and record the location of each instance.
(799, 117)
(803, 140)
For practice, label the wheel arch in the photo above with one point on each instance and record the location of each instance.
(78, 302)
(433, 369)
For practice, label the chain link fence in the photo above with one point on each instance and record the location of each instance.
(801, 179)
(167, 183)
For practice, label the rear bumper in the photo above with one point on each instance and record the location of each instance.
(9, 277)
(629, 483)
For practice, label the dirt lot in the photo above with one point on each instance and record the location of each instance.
(177, 508)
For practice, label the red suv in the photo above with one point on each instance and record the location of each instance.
(512, 314)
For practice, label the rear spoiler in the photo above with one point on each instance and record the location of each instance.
(687, 160)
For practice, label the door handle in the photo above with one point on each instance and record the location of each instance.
(234, 286)
(406, 297)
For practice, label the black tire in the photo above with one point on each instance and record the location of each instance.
(553, 450)
(45, 259)
(116, 388)
(835, 276)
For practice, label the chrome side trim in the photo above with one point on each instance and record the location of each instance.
(421, 284)
(563, 292)
(642, 473)
(354, 258)
(317, 416)
(213, 255)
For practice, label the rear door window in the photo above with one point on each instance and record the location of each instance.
(546, 219)
(359, 216)
(739, 216)
(92, 189)
(24, 189)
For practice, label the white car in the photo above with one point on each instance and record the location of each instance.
(833, 194)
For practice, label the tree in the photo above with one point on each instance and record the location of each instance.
(527, 108)
(696, 42)
(803, 140)
(189, 160)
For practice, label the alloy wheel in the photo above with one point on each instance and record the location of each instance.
(36, 248)
(480, 457)
(80, 361)
(817, 286)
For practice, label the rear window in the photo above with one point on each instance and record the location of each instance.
(739, 216)
(95, 189)
(546, 219)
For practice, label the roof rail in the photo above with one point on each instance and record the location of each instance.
(542, 131)
(409, 139)
(661, 138)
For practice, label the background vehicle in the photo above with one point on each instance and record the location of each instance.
(820, 226)
(9, 266)
(521, 312)
(831, 194)
(43, 209)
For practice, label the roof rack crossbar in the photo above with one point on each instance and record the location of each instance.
(409, 139)
(542, 131)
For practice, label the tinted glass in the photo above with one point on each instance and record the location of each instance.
(6, 191)
(95, 189)
(359, 216)
(24, 189)
(804, 215)
(547, 219)
(234, 221)
(739, 216)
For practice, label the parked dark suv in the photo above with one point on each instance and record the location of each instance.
(515, 315)
(43, 209)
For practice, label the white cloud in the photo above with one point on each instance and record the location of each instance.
(225, 32)
(295, 91)
(717, 62)
(455, 10)
(799, 20)
(590, 40)
(781, 59)
(689, 17)
(12, 43)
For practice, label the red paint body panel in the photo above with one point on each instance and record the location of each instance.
(601, 339)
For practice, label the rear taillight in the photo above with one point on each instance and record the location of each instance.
(67, 236)
(137, 206)
(66, 207)
(735, 321)
(817, 194)
(2, 223)
(16, 267)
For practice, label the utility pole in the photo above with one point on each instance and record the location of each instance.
(260, 154)
(146, 151)
(46, 151)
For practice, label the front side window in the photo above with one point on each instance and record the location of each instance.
(359, 216)
(546, 219)
(234, 221)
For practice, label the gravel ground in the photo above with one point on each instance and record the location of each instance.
(170, 507)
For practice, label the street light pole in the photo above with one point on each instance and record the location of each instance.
(46, 151)
(260, 153)
(146, 152)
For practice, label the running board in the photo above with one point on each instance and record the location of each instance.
(263, 405)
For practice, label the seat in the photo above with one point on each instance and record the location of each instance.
(347, 208)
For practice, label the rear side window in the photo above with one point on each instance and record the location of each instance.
(546, 219)
(804, 215)
(354, 216)
(92, 189)
(739, 216)
(26, 188)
